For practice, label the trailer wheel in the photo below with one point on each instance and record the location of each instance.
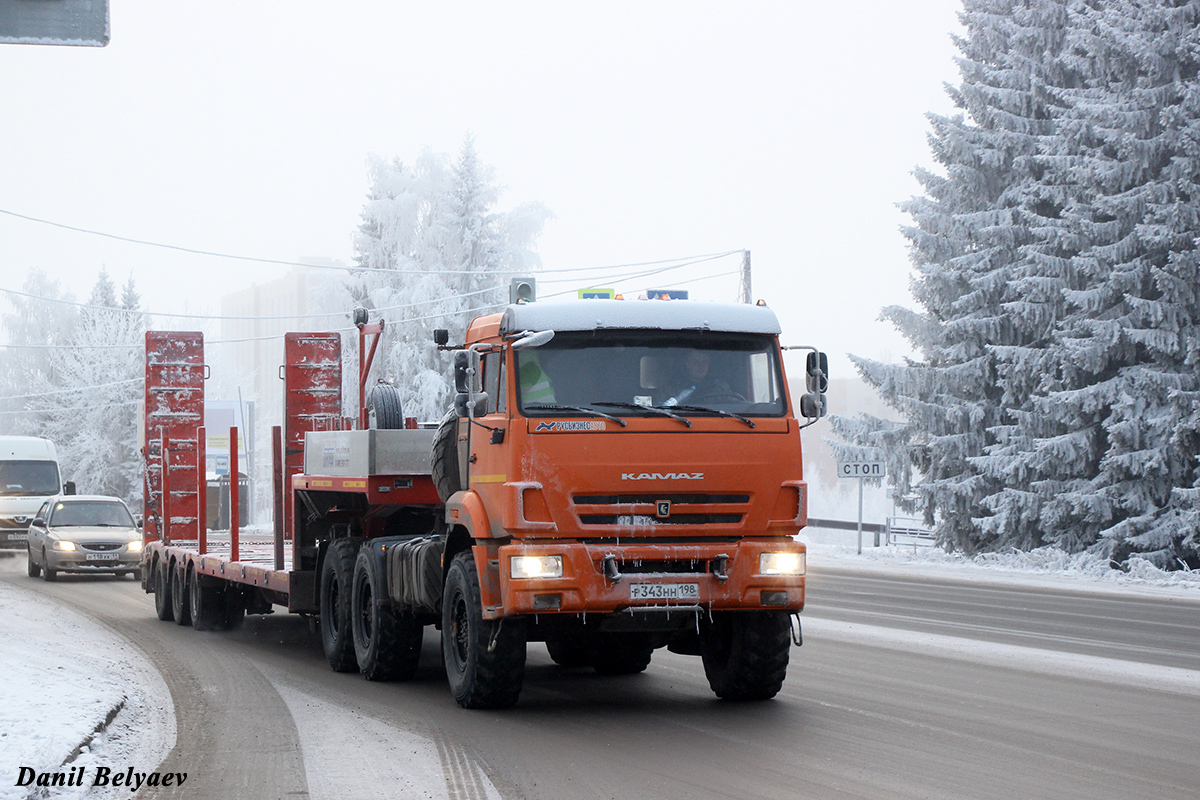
(337, 574)
(446, 477)
(180, 595)
(569, 650)
(206, 603)
(485, 659)
(384, 409)
(746, 654)
(234, 607)
(31, 567)
(387, 645)
(162, 593)
(616, 654)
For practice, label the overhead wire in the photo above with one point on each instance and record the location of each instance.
(285, 263)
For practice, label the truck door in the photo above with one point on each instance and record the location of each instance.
(488, 469)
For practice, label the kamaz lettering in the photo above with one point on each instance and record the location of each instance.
(662, 476)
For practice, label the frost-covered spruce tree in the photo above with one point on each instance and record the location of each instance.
(91, 413)
(1092, 441)
(1126, 163)
(435, 253)
(967, 242)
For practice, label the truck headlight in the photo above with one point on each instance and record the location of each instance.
(536, 567)
(781, 564)
(64, 545)
(135, 546)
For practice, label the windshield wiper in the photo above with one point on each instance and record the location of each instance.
(580, 409)
(720, 411)
(656, 409)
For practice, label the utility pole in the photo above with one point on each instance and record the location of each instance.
(744, 283)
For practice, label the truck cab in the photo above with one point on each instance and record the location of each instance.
(629, 477)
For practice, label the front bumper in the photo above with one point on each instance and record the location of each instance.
(601, 578)
(79, 561)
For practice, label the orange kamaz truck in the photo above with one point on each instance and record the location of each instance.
(615, 477)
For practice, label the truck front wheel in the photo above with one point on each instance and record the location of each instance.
(746, 654)
(485, 659)
(387, 646)
(337, 571)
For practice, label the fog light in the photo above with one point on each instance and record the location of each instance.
(781, 564)
(535, 567)
(67, 546)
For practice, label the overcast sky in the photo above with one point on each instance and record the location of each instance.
(651, 130)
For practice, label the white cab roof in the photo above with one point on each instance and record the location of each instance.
(667, 315)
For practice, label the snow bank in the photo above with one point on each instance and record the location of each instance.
(74, 694)
(1045, 566)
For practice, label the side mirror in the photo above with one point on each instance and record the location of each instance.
(471, 400)
(813, 405)
(471, 405)
(467, 377)
(69, 487)
(441, 337)
(817, 373)
(38, 522)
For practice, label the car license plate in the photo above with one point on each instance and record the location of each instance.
(18, 537)
(102, 556)
(664, 591)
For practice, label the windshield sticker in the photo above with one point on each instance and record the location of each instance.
(574, 425)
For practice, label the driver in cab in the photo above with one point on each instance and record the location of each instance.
(698, 379)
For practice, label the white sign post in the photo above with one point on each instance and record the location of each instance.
(861, 470)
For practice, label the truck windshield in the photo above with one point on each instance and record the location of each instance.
(695, 371)
(28, 478)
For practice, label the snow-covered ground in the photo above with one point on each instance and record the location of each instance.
(1046, 566)
(74, 694)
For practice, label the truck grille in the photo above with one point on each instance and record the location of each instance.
(672, 567)
(643, 509)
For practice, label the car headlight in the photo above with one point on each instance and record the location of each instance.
(536, 567)
(135, 546)
(63, 545)
(781, 564)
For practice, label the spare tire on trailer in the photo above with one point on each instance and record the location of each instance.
(446, 475)
(384, 409)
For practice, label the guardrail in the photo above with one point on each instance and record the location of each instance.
(907, 531)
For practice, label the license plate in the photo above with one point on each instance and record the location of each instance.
(18, 537)
(102, 556)
(664, 591)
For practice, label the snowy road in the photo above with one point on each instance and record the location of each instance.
(905, 687)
